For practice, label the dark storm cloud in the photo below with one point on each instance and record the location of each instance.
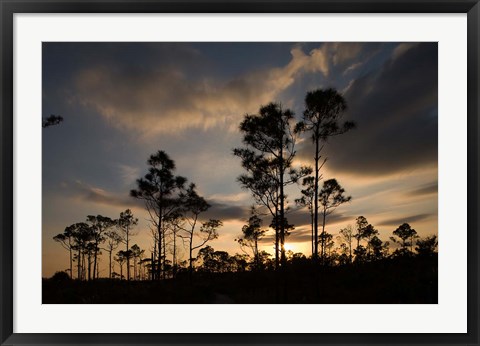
(409, 219)
(395, 108)
(226, 212)
(423, 190)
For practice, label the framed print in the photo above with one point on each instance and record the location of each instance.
(239, 173)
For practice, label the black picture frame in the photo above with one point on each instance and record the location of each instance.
(9, 7)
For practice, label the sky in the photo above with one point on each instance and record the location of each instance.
(122, 102)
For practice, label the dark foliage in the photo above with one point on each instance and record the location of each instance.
(51, 120)
(407, 280)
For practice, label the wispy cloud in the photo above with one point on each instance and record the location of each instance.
(128, 173)
(81, 191)
(408, 219)
(352, 67)
(424, 190)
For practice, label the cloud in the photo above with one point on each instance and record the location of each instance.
(423, 190)
(230, 198)
(395, 109)
(344, 52)
(128, 173)
(96, 195)
(352, 67)
(299, 235)
(169, 97)
(301, 220)
(402, 48)
(225, 211)
(408, 219)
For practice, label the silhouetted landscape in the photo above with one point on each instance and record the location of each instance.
(260, 202)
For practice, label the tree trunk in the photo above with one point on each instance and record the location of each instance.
(83, 266)
(190, 254)
(79, 258)
(110, 264)
(98, 268)
(282, 207)
(174, 256)
(159, 229)
(257, 264)
(71, 259)
(323, 235)
(277, 240)
(94, 261)
(128, 256)
(134, 268)
(89, 266)
(315, 192)
(350, 248)
(164, 255)
(311, 224)
(154, 267)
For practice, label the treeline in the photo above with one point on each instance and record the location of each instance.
(268, 157)
(358, 244)
(174, 208)
(86, 240)
(353, 245)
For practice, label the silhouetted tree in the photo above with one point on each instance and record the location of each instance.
(113, 240)
(287, 228)
(378, 249)
(89, 252)
(361, 224)
(82, 235)
(99, 225)
(251, 234)
(323, 110)
(120, 258)
(308, 195)
(330, 197)
(173, 222)
(345, 255)
(405, 233)
(60, 277)
(159, 189)
(145, 265)
(427, 246)
(214, 261)
(267, 157)
(137, 254)
(51, 120)
(346, 235)
(326, 239)
(240, 262)
(65, 239)
(369, 232)
(125, 225)
(194, 205)
(360, 253)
